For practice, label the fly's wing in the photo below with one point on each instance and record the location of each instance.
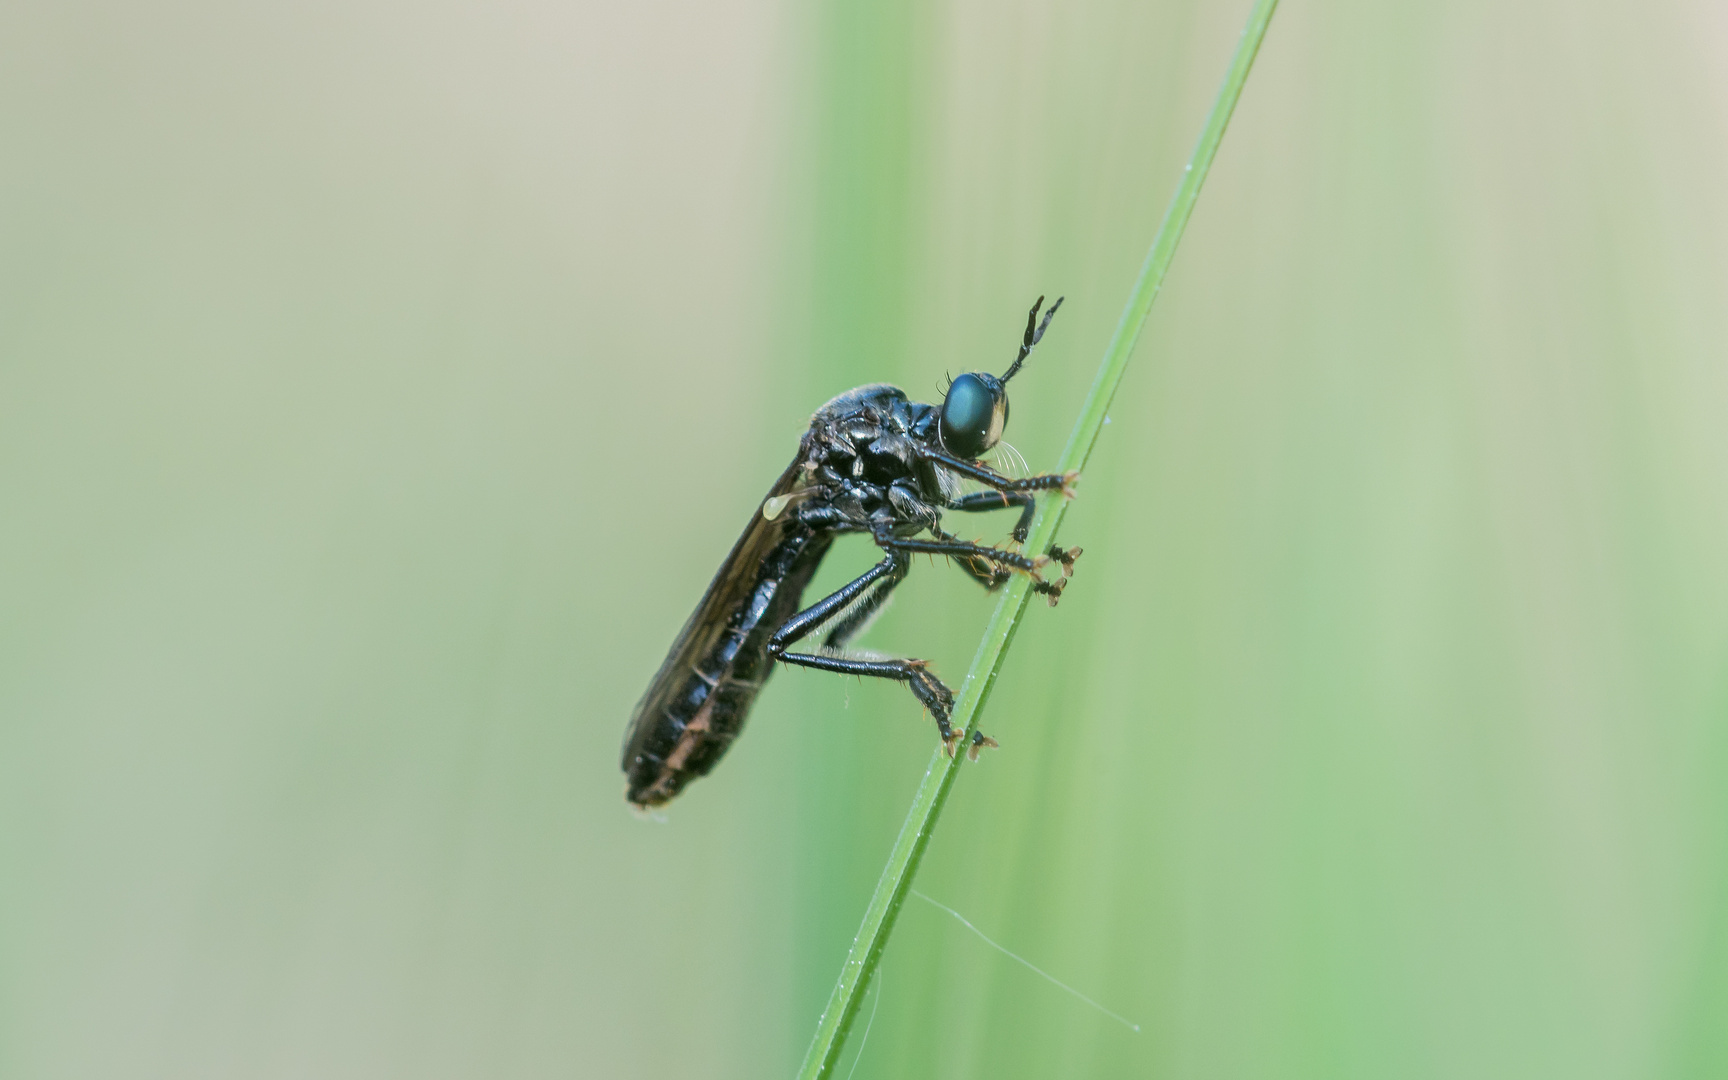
(730, 588)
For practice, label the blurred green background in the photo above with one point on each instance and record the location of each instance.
(380, 385)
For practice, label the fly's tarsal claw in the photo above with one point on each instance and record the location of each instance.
(951, 742)
(1069, 479)
(980, 742)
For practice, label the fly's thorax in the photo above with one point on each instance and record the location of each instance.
(880, 398)
(889, 457)
(865, 436)
(921, 421)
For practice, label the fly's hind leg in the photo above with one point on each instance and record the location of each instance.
(864, 596)
(863, 611)
(927, 688)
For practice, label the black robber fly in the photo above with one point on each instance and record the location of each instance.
(873, 462)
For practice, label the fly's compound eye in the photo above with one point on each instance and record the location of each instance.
(973, 414)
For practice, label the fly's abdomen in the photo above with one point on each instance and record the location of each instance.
(689, 736)
(699, 701)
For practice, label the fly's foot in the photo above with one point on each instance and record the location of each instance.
(1066, 558)
(1051, 591)
(1069, 478)
(934, 696)
(979, 742)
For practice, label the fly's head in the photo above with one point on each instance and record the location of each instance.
(975, 408)
(974, 412)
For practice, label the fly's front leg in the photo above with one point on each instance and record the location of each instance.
(980, 501)
(1063, 482)
(872, 586)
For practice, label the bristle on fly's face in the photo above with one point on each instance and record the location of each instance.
(1007, 461)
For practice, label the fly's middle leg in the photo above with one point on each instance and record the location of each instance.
(991, 566)
(955, 547)
(984, 571)
(993, 576)
(1063, 482)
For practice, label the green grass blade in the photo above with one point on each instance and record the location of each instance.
(902, 866)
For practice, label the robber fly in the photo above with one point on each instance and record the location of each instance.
(872, 462)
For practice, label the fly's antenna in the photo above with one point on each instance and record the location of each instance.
(1034, 333)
